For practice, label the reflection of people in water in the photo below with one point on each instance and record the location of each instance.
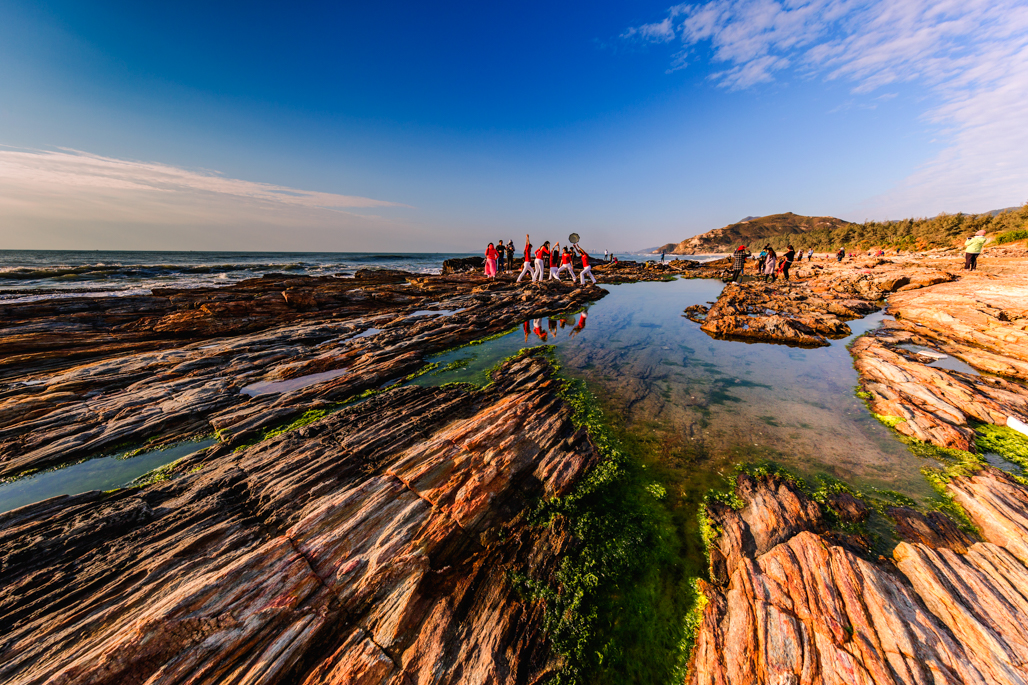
(553, 325)
(525, 325)
(537, 328)
(580, 325)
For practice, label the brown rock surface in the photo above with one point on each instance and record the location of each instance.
(174, 364)
(366, 548)
(806, 610)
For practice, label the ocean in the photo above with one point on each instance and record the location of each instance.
(27, 275)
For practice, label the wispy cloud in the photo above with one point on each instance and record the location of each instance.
(971, 54)
(66, 198)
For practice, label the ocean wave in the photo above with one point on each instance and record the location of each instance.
(95, 271)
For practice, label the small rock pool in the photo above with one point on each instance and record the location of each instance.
(103, 473)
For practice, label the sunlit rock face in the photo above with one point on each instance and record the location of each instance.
(372, 546)
(791, 603)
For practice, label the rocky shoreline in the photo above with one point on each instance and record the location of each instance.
(373, 545)
(797, 594)
(354, 528)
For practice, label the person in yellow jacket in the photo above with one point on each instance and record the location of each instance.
(972, 248)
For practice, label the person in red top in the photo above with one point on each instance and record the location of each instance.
(527, 268)
(565, 263)
(554, 261)
(542, 255)
(490, 261)
(586, 269)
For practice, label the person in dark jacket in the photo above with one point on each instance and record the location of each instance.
(789, 256)
(739, 263)
(510, 255)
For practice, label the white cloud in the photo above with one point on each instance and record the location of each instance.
(972, 55)
(70, 199)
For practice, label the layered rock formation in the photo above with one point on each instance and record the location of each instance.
(811, 309)
(370, 547)
(173, 365)
(792, 603)
(979, 320)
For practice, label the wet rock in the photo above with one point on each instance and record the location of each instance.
(366, 547)
(461, 264)
(933, 529)
(929, 403)
(197, 356)
(848, 508)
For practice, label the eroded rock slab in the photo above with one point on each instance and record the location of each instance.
(370, 331)
(807, 610)
(372, 546)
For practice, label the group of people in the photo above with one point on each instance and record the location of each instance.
(536, 260)
(770, 265)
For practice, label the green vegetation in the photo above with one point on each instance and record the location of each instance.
(624, 605)
(945, 230)
(890, 421)
(827, 234)
(160, 475)
(1012, 236)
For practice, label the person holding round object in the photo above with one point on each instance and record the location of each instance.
(587, 270)
(490, 261)
(527, 268)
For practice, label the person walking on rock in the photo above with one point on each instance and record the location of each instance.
(490, 261)
(972, 248)
(840, 255)
(586, 269)
(739, 263)
(542, 255)
(527, 268)
(810, 255)
(770, 264)
(761, 257)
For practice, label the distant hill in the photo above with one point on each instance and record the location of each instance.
(751, 230)
(827, 234)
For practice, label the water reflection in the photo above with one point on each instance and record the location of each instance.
(706, 404)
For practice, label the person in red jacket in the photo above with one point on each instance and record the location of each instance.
(527, 268)
(490, 261)
(542, 255)
(586, 268)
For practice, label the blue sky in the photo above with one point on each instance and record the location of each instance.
(376, 126)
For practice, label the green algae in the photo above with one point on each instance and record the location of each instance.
(622, 608)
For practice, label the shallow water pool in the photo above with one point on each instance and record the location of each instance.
(706, 404)
(104, 473)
